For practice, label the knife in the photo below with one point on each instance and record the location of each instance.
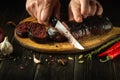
(63, 30)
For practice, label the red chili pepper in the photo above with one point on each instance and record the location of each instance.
(115, 46)
(112, 55)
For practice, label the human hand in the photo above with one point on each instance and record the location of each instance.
(79, 9)
(42, 10)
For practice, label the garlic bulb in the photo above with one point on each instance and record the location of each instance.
(6, 47)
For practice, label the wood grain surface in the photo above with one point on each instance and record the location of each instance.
(88, 42)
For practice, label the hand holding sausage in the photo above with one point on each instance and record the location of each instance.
(79, 9)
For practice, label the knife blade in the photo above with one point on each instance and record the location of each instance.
(63, 30)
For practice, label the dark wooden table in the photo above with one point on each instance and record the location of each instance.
(22, 66)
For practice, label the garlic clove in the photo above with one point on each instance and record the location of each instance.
(36, 60)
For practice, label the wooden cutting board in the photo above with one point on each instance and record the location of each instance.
(89, 42)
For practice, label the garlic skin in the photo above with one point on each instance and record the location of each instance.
(36, 60)
(6, 47)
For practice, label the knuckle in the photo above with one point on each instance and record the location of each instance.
(48, 1)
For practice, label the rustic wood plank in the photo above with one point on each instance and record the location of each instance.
(93, 70)
(116, 67)
(52, 68)
(20, 68)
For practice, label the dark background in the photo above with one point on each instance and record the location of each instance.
(111, 8)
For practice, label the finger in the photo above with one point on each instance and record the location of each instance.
(43, 11)
(99, 8)
(30, 11)
(39, 8)
(92, 8)
(46, 11)
(70, 14)
(76, 11)
(84, 7)
(31, 8)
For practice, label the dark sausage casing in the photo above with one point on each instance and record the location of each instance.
(94, 25)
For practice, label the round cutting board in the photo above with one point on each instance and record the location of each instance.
(88, 42)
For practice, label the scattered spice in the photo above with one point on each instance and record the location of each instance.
(80, 61)
(21, 67)
(50, 56)
(80, 56)
(70, 58)
(29, 58)
(14, 59)
(24, 57)
(52, 60)
(62, 61)
(11, 23)
(46, 60)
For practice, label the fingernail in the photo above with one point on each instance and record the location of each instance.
(85, 15)
(78, 19)
(42, 22)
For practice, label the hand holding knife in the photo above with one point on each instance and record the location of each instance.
(63, 30)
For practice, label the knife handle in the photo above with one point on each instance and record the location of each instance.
(53, 20)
